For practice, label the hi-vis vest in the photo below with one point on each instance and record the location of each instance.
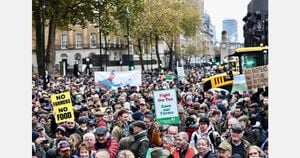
(191, 151)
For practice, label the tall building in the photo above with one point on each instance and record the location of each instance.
(230, 26)
(215, 40)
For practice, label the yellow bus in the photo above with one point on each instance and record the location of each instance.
(247, 57)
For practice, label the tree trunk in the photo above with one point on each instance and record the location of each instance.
(50, 54)
(157, 52)
(171, 56)
(141, 54)
(38, 35)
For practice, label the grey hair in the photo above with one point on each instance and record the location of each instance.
(184, 135)
(168, 138)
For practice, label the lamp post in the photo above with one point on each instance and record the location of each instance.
(43, 46)
(100, 29)
(121, 62)
(127, 24)
(87, 59)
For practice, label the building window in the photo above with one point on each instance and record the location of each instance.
(93, 40)
(78, 40)
(64, 41)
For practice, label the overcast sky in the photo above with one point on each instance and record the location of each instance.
(224, 9)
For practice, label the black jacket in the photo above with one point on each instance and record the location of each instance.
(140, 145)
(210, 154)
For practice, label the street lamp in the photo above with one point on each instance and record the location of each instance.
(100, 29)
(43, 67)
(121, 62)
(127, 24)
(87, 59)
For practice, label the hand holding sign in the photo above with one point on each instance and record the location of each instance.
(62, 107)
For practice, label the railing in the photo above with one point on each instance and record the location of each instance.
(109, 46)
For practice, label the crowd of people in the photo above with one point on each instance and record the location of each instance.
(121, 123)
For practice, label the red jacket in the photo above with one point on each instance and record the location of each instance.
(111, 145)
(190, 131)
(191, 151)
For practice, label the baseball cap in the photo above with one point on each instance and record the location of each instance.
(63, 146)
(204, 120)
(225, 146)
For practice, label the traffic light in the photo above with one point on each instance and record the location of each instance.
(131, 65)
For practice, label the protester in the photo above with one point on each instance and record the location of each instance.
(125, 119)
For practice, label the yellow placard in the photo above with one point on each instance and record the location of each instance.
(62, 107)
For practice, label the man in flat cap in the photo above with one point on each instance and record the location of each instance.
(141, 142)
(238, 144)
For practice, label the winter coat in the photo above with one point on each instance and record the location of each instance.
(189, 153)
(119, 131)
(210, 154)
(111, 145)
(125, 142)
(154, 137)
(141, 144)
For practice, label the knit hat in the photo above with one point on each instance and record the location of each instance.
(137, 115)
(35, 135)
(101, 124)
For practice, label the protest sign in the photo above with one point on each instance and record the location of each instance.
(166, 107)
(257, 77)
(239, 84)
(180, 72)
(62, 107)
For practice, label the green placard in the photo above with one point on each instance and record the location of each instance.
(169, 78)
(166, 107)
(168, 120)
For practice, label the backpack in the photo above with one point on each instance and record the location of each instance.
(214, 138)
(263, 135)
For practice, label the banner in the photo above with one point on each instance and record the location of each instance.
(257, 77)
(239, 84)
(62, 107)
(115, 79)
(166, 108)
